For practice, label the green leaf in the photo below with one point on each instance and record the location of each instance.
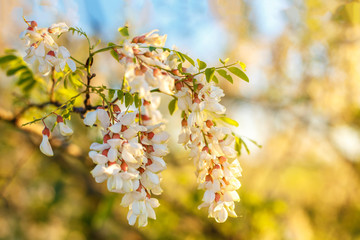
(124, 31)
(7, 58)
(180, 55)
(13, 71)
(172, 106)
(224, 74)
(215, 79)
(209, 73)
(230, 121)
(111, 94)
(120, 95)
(239, 73)
(238, 143)
(137, 100)
(189, 59)
(128, 99)
(151, 48)
(201, 64)
(224, 61)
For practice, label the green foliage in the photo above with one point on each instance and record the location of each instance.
(124, 31)
(224, 74)
(128, 99)
(348, 13)
(236, 71)
(172, 106)
(209, 73)
(17, 67)
(201, 64)
(229, 121)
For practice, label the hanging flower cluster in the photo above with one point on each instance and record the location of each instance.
(130, 156)
(212, 147)
(43, 52)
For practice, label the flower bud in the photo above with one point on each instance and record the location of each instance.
(116, 109)
(156, 72)
(135, 40)
(222, 159)
(116, 136)
(141, 39)
(184, 122)
(209, 123)
(106, 138)
(105, 152)
(217, 197)
(175, 72)
(148, 54)
(179, 85)
(150, 135)
(46, 132)
(33, 24)
(124, 166)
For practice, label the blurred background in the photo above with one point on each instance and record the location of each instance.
(302, 105)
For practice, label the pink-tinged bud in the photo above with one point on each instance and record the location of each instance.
(148, 54)
(46, 132)
(59, 119)
(200, 86)
(217, 166)
(138, 72)
(184, 69)
(225, 181)
(124, 166)
(135, 40)
(175, 72)
(206, 148)
(34, 45)
(149, 162)
(105, 152)
(149, 149)
(156, 72)
(123, 128)
(222, 159)
(150, 135)
(50, 30)
(184, 123)
(141, 170)
(217, 197)
(33, 24)
(116, 109)
(106, 138)
(146, 103)
(30, 28)
(179, 85)
(209, 123)
(189, 79)
(111, 163)
(196, 100)
(209, 135)
(141, 39)
(208, 178)
(116, 136)
(145, 117)
(143, 68)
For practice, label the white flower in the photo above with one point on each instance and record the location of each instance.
(45, 146)
(155, 39)
(63, 58)
(65, 130)
(98, 116)
(58, 28)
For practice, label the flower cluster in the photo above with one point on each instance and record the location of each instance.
(212, 147)
(43, 52)
(145, 70)
(65, 130)
(130, 156)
